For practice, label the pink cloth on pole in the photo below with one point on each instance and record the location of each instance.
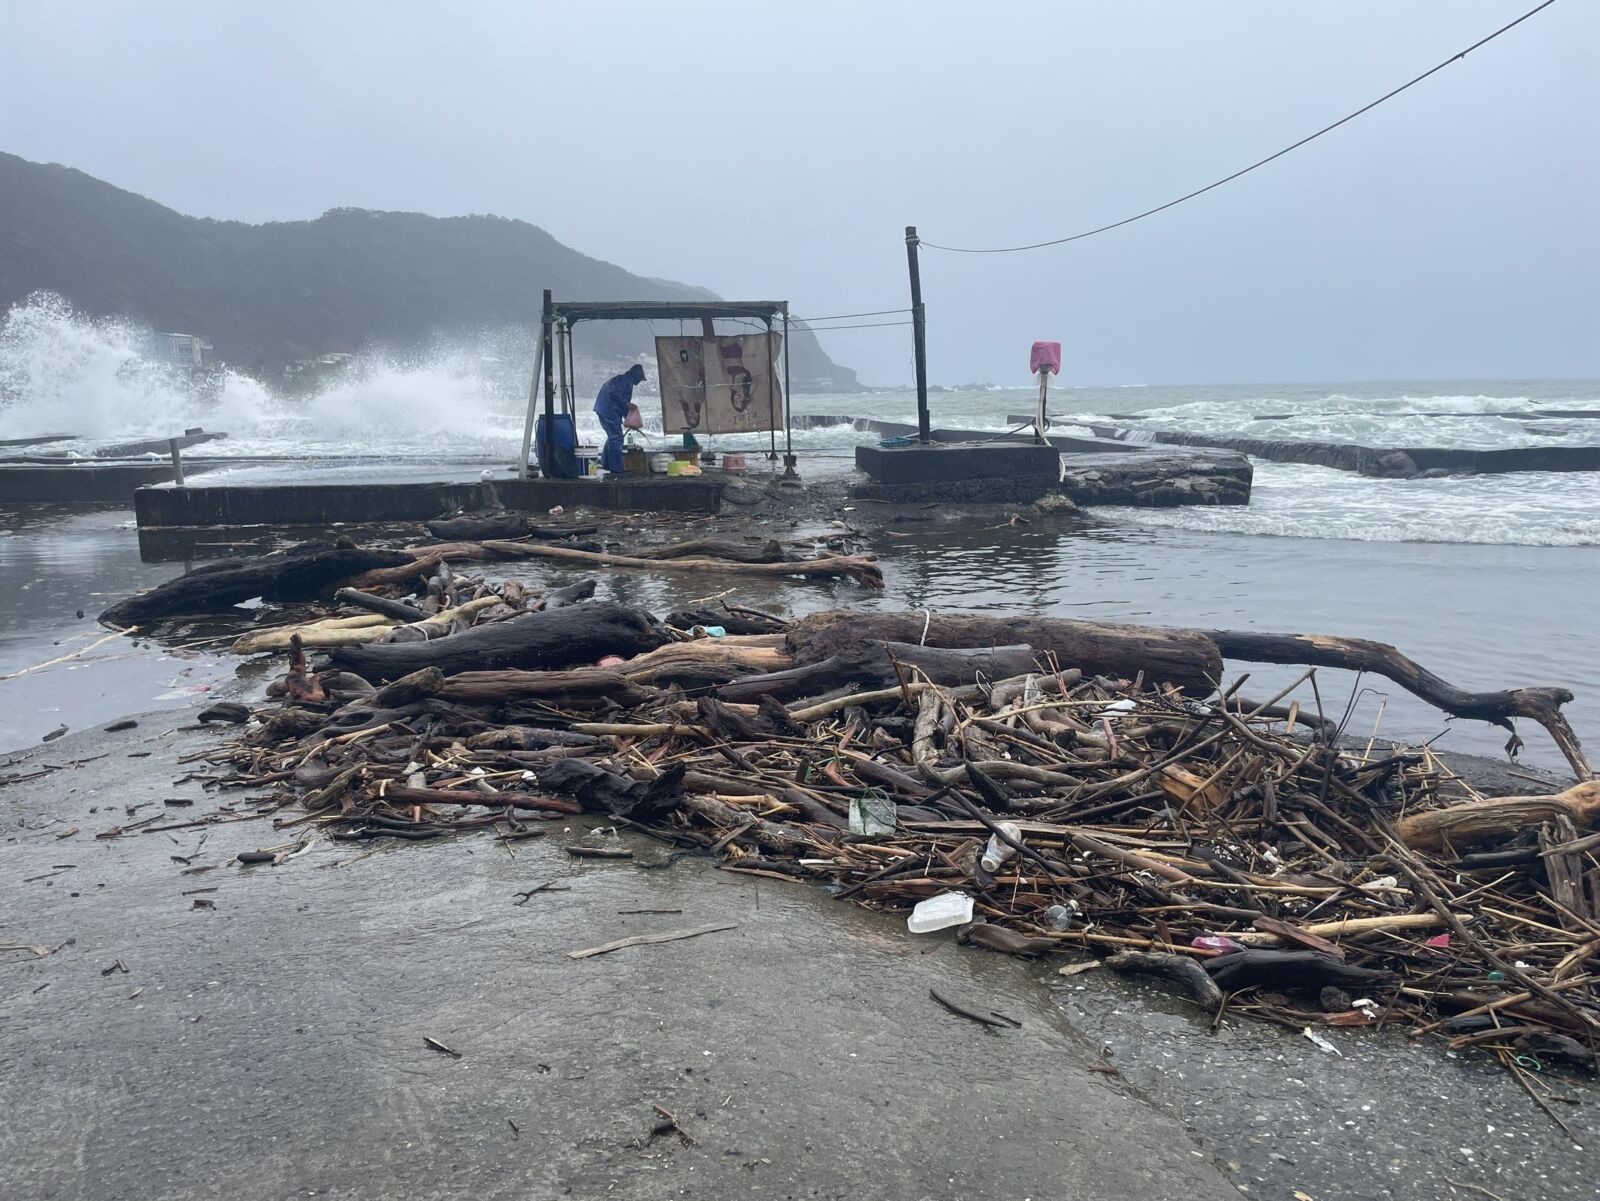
(1045, 356)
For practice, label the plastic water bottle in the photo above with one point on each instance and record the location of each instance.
(1058, 917)
(998, 851)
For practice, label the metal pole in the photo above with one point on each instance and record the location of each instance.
(177, 461)
(572, 374)
(566, 392)
(533, 412)
(788, 403)
(772, 404)
(919, 332)
(1041, 422)
(547, 354)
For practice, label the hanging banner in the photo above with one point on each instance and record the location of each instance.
(722, 385)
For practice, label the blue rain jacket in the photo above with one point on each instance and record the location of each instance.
(616, 394)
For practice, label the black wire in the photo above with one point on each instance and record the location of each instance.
(822, 329)
(1245, 171)
(843, 316)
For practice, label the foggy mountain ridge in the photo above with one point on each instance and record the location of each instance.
(266, 295)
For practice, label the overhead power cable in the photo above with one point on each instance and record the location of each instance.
(822, 329)
(1246, 170)
(843, 316)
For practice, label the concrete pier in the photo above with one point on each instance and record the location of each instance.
(312, 504)
(959, 471)
(1386, 462)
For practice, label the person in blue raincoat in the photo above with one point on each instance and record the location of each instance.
(611, 406)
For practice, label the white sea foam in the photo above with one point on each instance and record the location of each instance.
(1294, 501)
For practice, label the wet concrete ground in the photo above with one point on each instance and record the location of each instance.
(272, 1044)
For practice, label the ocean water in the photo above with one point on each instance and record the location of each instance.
(64, 373)
(1488, 580)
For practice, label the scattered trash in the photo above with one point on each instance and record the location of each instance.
(873, 813)
(1321, 1043)
(939, 912)
(666, 1123)
(39, 950)
(1000, 848)
(922, 763)
(1077, 969)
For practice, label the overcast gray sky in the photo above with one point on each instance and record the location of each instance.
(770, 150)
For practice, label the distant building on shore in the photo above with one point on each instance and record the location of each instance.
(181, 350)
(307, 374)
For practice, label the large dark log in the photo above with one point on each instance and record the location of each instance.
(954, 666)
(733, 621)
(1495, 819)
(379, 604)
(1542, 705)
(566, 637)
(1186, 658)
(602, 791)
(785, 685)
(1190, 659)
(869, 664)
(303, 572)
(560, 688)
(859, 568)
(716, 548)
(569, 594)
(475, 527)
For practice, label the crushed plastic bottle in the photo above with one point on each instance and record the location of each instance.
(1058, 917)
(937, 913)
(1032, 694)
(998, 851)
(1216, 942)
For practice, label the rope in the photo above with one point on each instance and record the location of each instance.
(1246, 170)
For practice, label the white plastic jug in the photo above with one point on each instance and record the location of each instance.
(936, 913)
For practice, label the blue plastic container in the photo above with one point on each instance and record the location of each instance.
(557, 455)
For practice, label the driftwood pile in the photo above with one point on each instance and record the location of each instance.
(1129, 809)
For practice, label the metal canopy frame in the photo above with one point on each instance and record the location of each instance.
(555, 347)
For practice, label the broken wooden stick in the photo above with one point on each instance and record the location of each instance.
(640, 940)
